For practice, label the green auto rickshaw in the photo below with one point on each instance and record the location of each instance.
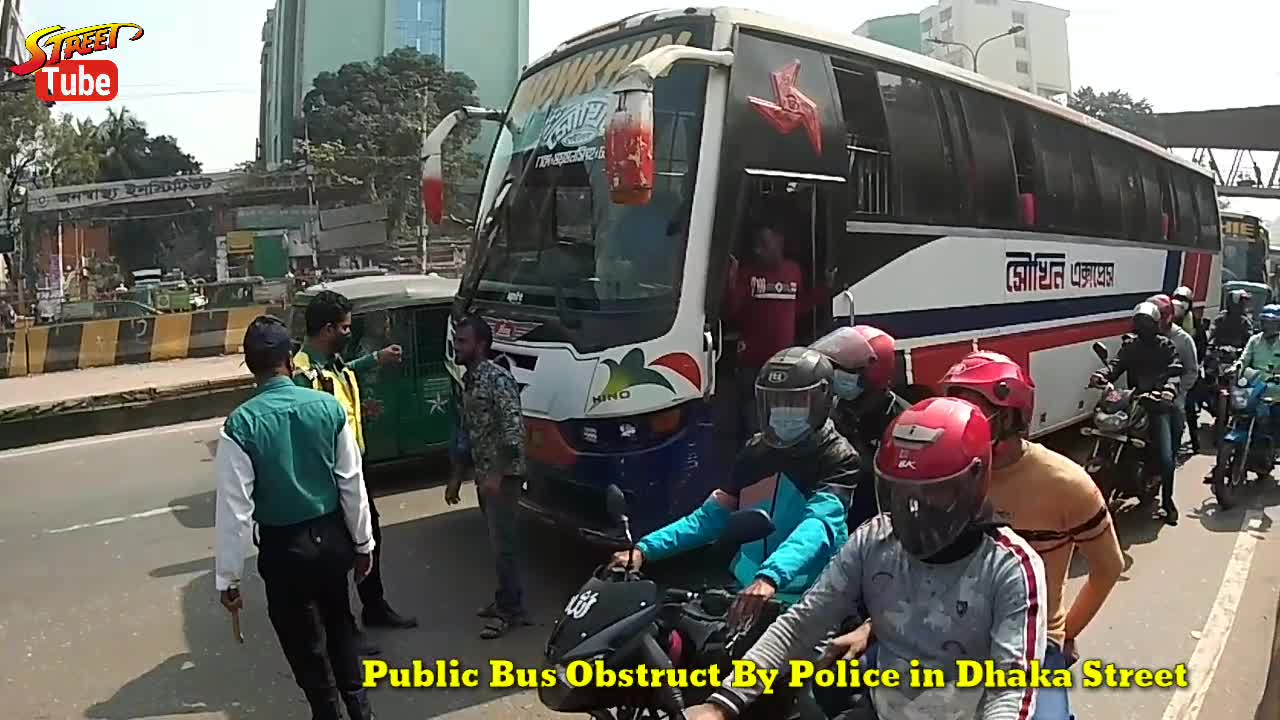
(1259, 295)
(406, 409)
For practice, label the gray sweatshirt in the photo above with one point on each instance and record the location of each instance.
(1186, 346)
(990, 605)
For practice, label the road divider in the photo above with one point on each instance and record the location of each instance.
(98, 343)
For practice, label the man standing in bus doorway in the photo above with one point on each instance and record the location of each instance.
(765, 297)
(319, 365)
(495, 437)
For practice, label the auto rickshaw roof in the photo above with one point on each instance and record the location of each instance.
(1245, 285)
(388, 292)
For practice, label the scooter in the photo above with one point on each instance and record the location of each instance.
(1246, 447)
(620, 620)
(1121, 463)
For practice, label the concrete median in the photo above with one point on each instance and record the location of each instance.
(46, 408)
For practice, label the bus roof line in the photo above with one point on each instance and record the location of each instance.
(874, 49)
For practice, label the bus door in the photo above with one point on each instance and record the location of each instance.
(800, 208)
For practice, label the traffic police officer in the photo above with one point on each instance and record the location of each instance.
(319, 365)
(287, 460)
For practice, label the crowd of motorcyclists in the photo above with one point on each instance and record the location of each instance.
(937, 531)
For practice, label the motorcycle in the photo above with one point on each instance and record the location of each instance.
(620, 620)
(1121, 463)
(1243, 448)
(1218, 378)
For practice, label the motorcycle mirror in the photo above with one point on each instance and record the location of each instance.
(1101, 351)
(615, 503)
(746, 526)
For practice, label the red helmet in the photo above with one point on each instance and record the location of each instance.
(933, 469)
(997, 378)
(1165, 304)
(861, 351)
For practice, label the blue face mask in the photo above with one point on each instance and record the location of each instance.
(847, 386)
(789, 424)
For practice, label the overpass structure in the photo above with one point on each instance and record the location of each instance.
(1236, 135)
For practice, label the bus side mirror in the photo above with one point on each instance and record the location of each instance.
(628, 148)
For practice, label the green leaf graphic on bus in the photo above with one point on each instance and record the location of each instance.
(630, 373)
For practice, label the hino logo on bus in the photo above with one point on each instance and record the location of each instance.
(607, 397)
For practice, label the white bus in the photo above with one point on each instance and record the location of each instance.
(956, 212)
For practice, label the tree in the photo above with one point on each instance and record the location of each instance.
(365, 122)
(1115, 107)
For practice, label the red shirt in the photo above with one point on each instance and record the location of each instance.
(767, 303)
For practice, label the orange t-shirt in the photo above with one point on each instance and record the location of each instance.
(1054, 505)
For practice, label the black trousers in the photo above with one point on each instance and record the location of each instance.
(370, 589)
(305, 566)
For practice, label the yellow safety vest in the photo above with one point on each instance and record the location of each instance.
(339, 382)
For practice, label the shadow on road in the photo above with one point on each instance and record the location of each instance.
(437, 568)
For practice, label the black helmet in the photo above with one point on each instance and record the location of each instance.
(794, 396)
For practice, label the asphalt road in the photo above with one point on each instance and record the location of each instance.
(108, 609)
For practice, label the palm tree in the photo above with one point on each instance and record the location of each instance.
(122, 138)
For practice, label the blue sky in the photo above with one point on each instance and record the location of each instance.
(195, 73)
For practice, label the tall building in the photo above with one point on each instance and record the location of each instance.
(1035, 59)
(486, 39)
(13, 46)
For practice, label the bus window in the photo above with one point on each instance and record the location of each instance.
(1150, 229)
(1084, 185)
(1168, 214)
(1056, 202)
(995, 183)
(1207, 212)
(1187, 227)
(1112, 186)
(870, 177)
(915, 132)
(1030, 188)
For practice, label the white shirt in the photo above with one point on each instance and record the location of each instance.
(234, 507)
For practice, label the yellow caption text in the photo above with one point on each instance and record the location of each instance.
(449, 674)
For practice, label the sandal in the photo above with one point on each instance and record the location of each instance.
(495, 628)
(488, 611)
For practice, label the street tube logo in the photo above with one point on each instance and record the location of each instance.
(63, 77)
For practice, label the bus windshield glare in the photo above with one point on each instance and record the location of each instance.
(550, 246)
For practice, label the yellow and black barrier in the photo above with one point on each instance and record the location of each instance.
(122, 341)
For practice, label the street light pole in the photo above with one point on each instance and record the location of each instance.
(1013, 30)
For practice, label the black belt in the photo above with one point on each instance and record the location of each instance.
(285, 532)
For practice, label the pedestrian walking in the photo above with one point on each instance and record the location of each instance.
(287, 460)
(493, 451)
(319, 365)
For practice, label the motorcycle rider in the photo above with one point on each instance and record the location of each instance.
(1261, 352)
(1049, 500)
(864, 363)
(1232, 326)
(1184, 316)
(798, 467)
(1186, 347)
(1150, 361)
(942, 578)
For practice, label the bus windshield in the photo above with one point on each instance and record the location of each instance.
(550, 246)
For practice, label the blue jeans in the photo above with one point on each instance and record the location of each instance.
(1053, 703)
(500, 513)
(1161, 436)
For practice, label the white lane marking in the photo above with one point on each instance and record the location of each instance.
(86, 442)
(115, 520)
(1186, 702)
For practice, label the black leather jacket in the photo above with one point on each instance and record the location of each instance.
(1150, 364)
(1233, 330)
(825, 462)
